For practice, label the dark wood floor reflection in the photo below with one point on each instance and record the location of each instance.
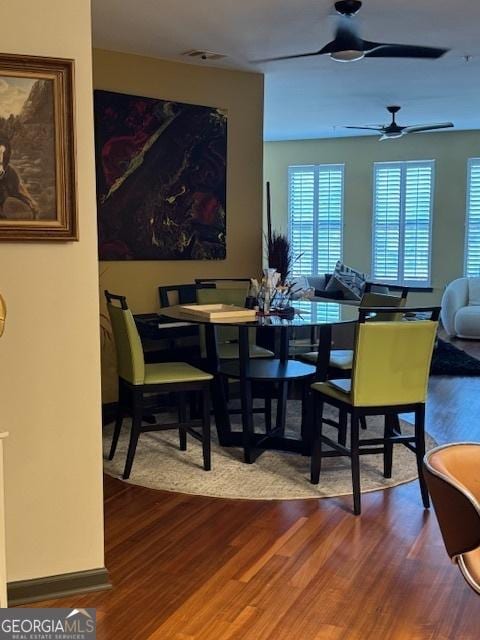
(193, 568)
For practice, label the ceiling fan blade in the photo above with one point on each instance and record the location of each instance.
(379, 128)
(292, 57)
(428, 127)
(386, 50)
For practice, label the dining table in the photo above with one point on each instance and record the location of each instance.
(278, 371)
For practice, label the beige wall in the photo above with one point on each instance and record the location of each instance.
(49, 354)
(242, 95)
(450, 150)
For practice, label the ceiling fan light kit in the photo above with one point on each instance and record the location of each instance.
(350, 55)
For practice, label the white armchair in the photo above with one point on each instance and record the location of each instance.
(461, 308)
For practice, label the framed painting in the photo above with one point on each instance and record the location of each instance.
(161, 179)
(37, 155)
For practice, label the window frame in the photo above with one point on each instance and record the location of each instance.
(401, 281)
(316, 183)
(471, 162)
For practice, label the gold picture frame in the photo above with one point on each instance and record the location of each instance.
(37, 149)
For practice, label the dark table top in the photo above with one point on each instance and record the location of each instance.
(307, 313)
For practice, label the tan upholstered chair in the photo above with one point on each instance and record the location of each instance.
(452, 473)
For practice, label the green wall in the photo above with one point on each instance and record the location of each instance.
(450, 150)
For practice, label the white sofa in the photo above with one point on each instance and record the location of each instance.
(461, 308)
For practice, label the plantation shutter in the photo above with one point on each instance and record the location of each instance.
(315, 210)
(402, 222)
(386, 223)
(302, 223)
(330, 217)
(472, 235)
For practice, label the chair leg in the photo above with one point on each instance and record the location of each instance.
(355, 461)
(308, 424)
(226, 389)
(387, 447)
(247, 421)
(182, 419)
(342, 427)
(135, 432)
(363, 422)
(206, 445)
(420, 452)
(116, 433)
(281, 407)
(316, 461)
(118, 420)
(268, 412)
(193, 403)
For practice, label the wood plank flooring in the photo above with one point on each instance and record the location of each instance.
(193, 568)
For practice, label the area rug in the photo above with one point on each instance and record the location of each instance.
(449, 360)
(159, 464)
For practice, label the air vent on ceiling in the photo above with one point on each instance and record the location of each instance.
(203, 55)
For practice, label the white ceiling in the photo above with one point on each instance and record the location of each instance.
(313, 97)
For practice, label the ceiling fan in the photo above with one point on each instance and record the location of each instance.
(393, 130)
(348, 46)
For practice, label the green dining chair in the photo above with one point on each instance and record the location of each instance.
(391, 365)
(341, 360)
(227, 337)
(137, 381)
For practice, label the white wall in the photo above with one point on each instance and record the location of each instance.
(49, 354)
(450, 150)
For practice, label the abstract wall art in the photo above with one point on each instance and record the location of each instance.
(161, 179)
(37, 156)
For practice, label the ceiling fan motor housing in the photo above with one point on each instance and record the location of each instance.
(348, 7)
(393, 128)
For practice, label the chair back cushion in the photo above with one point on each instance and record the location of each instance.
(174, 294)
(223, 295)
(373, 299)
(128, 346)
(392, 362)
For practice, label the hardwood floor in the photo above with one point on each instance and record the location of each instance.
(193, 568)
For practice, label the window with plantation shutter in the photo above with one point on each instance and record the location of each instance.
(472, 232)
(402, 222)
(315, 217)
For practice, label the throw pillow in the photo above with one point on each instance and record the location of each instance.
(348, 280)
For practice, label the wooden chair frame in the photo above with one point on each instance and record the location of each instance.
(132, 402)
